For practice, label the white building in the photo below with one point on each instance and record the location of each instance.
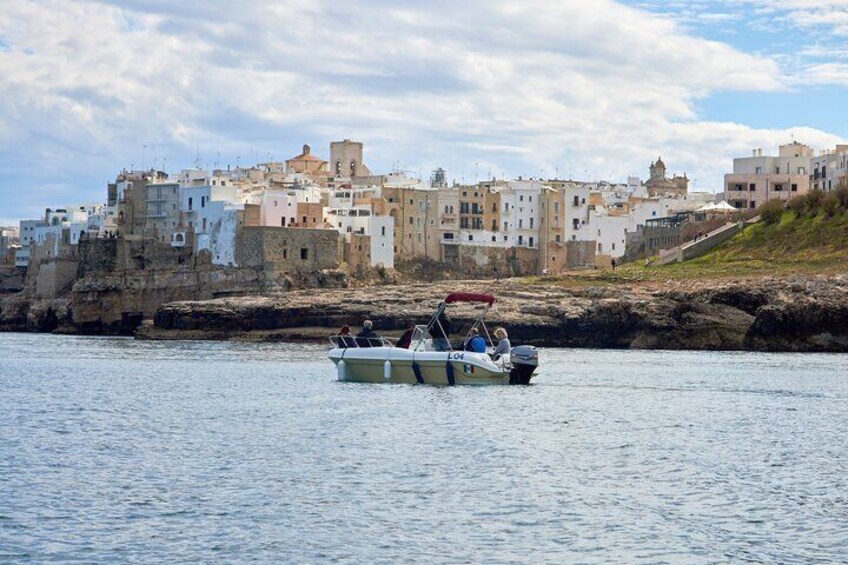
(829, 168)
(520, 213)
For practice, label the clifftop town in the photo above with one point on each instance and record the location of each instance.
(333, 223)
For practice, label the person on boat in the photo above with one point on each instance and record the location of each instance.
(367, 337)
(345, 339)
(405, 340)
(474, 342)
(504, 347)
(440, 342)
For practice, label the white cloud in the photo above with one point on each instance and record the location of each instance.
(518, 85)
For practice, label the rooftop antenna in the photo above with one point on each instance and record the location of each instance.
(143, 155)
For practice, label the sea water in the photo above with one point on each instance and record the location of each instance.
(114, 450)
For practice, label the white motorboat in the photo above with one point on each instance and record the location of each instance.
(429, 357)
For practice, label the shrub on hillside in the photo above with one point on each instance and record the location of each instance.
(841, 193)
(830, 205)
(813, 202)
(771, 212)
(797, 205)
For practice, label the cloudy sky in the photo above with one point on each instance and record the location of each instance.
(522, 87)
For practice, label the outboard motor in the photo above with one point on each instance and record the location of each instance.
(525, 360)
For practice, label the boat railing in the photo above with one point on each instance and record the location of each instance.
(351, 341)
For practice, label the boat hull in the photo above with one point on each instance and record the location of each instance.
(398, 365)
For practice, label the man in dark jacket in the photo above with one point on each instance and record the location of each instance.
(367, 337)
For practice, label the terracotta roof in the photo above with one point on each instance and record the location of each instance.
(306, 157)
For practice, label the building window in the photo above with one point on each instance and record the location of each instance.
(521, 198)
(285, 253)
(520, 240)
(520, 223)
(494, 225)
(576, 200)
(470, 237)
(752, 187)
(778, 188)
(411, 221)
(189, 204)
(383, 230)
(530, 241)
(794, 187)
(752, 204)
(531, 223)
(558, 238)
(304, 254)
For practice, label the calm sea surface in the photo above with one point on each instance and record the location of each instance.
(113, 450)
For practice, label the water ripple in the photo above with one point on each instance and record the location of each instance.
(116, 450)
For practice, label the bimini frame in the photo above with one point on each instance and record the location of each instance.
(475, 298)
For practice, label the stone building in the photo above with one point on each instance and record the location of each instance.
(346, 159)
(130, 189)
(757, 179)
(307, 163)
(415, 210)
(163, 211)
(660, 185)
(552, 248)
(289, 250)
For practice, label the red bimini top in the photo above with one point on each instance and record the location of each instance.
(469, 297)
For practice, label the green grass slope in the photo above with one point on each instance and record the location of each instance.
(792, 245)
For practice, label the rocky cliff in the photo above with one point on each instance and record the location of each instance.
(797, 314)
(116, 303)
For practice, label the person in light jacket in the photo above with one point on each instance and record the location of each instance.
(504, 347)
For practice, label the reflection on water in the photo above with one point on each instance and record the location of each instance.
(117, 450)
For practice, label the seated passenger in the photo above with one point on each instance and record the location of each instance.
(474, 342)
(504, 346)
(345, 339)
(367, 337)
(406, 339)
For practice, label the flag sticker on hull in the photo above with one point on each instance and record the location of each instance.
(468, 369)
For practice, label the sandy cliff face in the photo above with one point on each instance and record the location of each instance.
(766, 315)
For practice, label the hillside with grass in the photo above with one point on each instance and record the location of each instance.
(806, 236)
(809, 235)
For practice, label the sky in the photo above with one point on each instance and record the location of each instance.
(483, 88)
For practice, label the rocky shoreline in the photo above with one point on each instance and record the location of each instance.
(802, 314)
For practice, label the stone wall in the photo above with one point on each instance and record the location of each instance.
(289, 250)
(580, 254)
(480, 260)
(97, 255)
(358, 252)
(702, 246)
(55, 277)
